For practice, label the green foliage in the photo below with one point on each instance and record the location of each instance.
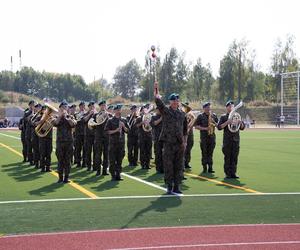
(127, 79)
(45, 84)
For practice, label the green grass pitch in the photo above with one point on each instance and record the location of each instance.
(268, 163)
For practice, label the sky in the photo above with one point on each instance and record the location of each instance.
(93, 37)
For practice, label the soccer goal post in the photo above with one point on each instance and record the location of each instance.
(290, 97)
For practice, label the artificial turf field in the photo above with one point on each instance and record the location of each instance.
(267, 192)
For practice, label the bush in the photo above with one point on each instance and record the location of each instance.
(117, 99)
(5, 99)
(24, 99)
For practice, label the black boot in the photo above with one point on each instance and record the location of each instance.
(31, 163)
(48, 169)
(104, 171)
(36, 165)
(98, 172)
(43, 169)
(187, 166)
(176, 189)
(169, 189)
(66, 179)
(60, 178)
(204, 169)
(210, 169)
(78, 165)
(118, 177)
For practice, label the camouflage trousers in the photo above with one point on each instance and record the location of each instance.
(101, 149)
(133, 149)
(45, 152)
(207, 146)
(231, 152)
(64, 151)
(173, 163)
(116, 155)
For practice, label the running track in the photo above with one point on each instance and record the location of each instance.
(277, 236)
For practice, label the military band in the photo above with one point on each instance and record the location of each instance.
(97, 138)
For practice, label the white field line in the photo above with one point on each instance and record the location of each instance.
(259, 243)
(147, 197)
(152, 228)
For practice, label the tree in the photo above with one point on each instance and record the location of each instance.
(127, 79)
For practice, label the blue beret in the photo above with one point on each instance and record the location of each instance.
(38, 105)
(110, 107)
(229, 103)
(206, 104)
(173, 97)
(81, 103)
(72, 106)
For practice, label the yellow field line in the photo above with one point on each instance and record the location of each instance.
(71, 183)
(249, 190)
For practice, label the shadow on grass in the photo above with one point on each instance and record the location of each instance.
(234, 182)
(160, 205)
(106, 185)
(43, 191)
(22, 173)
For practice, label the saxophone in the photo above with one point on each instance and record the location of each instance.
(211, 124)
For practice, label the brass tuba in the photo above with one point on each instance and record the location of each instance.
(189, 115)
(101, 117)
(46, 125)
(236, 118)
(147, 119)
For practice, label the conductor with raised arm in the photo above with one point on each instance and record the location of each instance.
(173, 136)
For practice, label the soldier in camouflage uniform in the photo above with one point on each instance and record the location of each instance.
(173, 136)
(64, 141)
(132, 137)
(116, 127)
(22, 128)
(231, 143)
(45, 147)
(101, 143)
(156, 124)
(145, 141)
(72, 111)
(28, 131)
(89, 136)
(207, 141)
(189, 146)
(79, 148)
(35, 139)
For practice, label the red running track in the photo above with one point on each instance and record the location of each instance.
(273, 236)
